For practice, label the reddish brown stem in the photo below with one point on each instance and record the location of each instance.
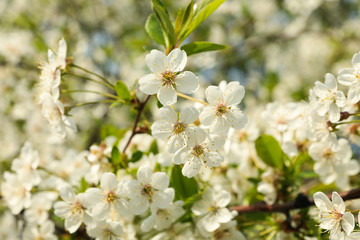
(134, 129)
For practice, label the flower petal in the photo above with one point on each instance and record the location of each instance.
(176, 60)
(213, 95)
(149, 84)
(108, 182)
(155, 61)
(144, 174)
(348, 222)
(187, 82)
(160, 181)
(188, 115)
(167, 95)
(233, 93)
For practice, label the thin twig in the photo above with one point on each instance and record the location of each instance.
(134, 132)
(95, 74)
(301, 201)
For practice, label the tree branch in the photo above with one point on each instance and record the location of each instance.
(134, 131)
(301, 201)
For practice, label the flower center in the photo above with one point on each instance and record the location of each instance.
(77, 208)
(111, 197)
(168, 78)
(179, 127)
(198, 150)
(327, 153)
(147, 190)
(213, 209)
(335, 215)
(221, 109)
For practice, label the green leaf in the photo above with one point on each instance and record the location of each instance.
(202, 12)
(122, 90)
(154, 29)
(153, 148)
(184, 17)
(269, 151)
(115, 104)
(198, 47)
(165, 22)
(115, 156)
(184, 187)
(136, 156)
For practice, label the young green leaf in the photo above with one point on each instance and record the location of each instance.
(154, 29)
(115, 156)
(165, 22)
(269, 151)
(136, 156)
(184, 187)
(198, 47)
(202, 12)
(122, 90)
(184, 17)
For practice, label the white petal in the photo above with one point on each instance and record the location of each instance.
(191, 168)
(176, 142)
(168, 114)
(101, 210)
(144, 174)
(222, 198)
(138, 205)
(213, 95)
(338, 202)
(67, 193)
(323, 202)
(167, 95)
(181, 156)
(354, 94)
(236, 118)
(340, 99)
(356, 59)
(176, 60)
(94, 195)
(210, 222)
(188, 115)
(108, 181)
(149, 84)
(160, 181)
(161, 200)
(348, 222)
(161, 129)
(330, 82)
(156, 61)
(207, 116)
(334, 113)
(196, 137)
(223, 215)
(233, 93)
(187, 82)
(73, 223)
(148, 224)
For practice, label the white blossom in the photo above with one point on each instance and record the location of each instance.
(200, 152)
(150, 189)
(73, 209)
(332, 215)
(222, 112)
(173, 128)
(108, 200)
(350, 77)
(167, 76)
(211, 209)
(328, 98)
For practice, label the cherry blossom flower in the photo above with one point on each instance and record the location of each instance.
(161, 219)
(173, 128)
(166, 77)
(26, 166)
(73, 209)
(53, 111)
(107, 200)
(222, 112)
(45, 230)
(351, 77)
(328, 98)
(212, 210)
(106, 231)
(150, 189)
(200, 152)
(332, 215)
